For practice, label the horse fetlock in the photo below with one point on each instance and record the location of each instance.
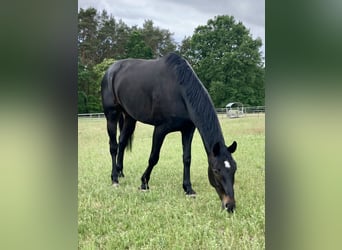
(114, 178)
(188, 189)
(144, 187)
(190, 193)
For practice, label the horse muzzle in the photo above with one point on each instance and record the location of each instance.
(228, 203)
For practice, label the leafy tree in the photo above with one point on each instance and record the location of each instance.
(122, 33)
(186, 50)
(86, 86)
(82, 102)
(87, 36)
(223, 51)
(86, 79)
(99, 71)
(159, 40)
(106, 36)
(94, 104)
(89, 86)
(218, 92)
(102, 67)
(136, 46)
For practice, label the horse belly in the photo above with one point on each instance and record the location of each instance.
(155, 108)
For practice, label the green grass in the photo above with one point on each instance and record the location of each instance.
(164, 218)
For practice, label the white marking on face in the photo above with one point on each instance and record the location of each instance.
(226, 164)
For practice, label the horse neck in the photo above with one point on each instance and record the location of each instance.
(210, 130)
(200, 107)
(203, 115)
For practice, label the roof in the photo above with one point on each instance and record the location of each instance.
(236, 104)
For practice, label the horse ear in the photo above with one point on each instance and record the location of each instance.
(232, 147)
(216, 149)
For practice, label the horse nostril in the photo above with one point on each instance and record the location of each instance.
(230, 207)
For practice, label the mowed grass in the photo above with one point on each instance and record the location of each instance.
(164, 218)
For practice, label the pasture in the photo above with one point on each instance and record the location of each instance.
(164, 218)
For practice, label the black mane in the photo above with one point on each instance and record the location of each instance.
(199, 103)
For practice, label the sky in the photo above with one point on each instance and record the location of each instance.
(181, 17)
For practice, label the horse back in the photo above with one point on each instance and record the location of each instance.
(148, 91)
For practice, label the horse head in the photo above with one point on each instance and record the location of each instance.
(221, 173)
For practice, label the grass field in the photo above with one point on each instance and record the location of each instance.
(164, 218)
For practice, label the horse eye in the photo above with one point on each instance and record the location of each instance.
(216, 171)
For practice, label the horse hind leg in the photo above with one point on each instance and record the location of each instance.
(112, 120)
(127, 128)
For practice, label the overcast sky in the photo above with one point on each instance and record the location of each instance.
(181, 17)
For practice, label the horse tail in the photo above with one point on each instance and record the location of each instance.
(130, 137)
(121, 122)
(130, 142)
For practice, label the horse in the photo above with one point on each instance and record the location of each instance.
(167, 94)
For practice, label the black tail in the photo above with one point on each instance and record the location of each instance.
(130, 138)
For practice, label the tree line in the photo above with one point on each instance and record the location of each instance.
(223, 54)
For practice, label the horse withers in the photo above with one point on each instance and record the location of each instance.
(167, 94)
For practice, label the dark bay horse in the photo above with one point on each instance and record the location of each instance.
(167, 94)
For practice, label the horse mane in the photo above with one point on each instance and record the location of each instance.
(198, 101)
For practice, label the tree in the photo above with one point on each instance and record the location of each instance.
(121, 33)
(218, 92)
(82, 102)
(86, 79)
(101, 68)
(136, 46)
(224, 52)
(87, 36)
(89, 86)
(86, 86)
(159, 40)
(100, 36)
(186, 50)
(106, 36)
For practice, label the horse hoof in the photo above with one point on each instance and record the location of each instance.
(144, 188)
(191, 194)
(115, 184)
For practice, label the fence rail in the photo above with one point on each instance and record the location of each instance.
(91, 115)
(247, 111)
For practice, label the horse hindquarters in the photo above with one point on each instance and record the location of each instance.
(113, 113)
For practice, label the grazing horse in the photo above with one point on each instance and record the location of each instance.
(167, 94)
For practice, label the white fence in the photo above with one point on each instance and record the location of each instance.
(240, 111)
(91, 115)
(222, 112)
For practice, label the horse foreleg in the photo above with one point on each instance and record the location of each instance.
(159, 134)
(187, 135)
